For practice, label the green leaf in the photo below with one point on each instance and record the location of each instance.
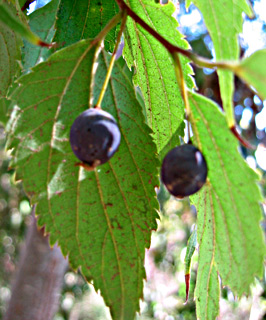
(102, 219)
(84, 19)
(229, 211)
(9, 57)
(224, 22)
(14, 23)
(207, 292)
(41, 23)
(253, 71)
(155, 73)
(191, 246)
(3, 110)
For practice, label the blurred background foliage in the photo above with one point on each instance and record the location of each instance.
(164, 291)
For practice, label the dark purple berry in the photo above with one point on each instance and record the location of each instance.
(94, 137)
(184, 170)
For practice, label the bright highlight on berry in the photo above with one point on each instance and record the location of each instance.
(94, 137)
(184, 170)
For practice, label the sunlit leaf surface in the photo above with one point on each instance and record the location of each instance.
(207, 291)
(155, 72)
(253, 71)
(224, 21)
(229, 213)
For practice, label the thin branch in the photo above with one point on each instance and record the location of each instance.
(198, 60)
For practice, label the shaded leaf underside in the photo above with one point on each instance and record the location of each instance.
(3, 110)
(155, 72)
(101, 219)
(84, 19)
(228, 208)
(9, 57)
(17, 22)
(41, 23)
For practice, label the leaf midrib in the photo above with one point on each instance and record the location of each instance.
(223, 169)
(83, 55)
(122, 308)
(137, 31)
(127, 143)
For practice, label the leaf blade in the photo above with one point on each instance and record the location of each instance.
(239, 246)
(224, 35)
(15, 24)
(207, 292)
(155, 71)
(191, 246)
(252, 70)
(83, 20)
(41, 22)
(94, 216)
(10, 54)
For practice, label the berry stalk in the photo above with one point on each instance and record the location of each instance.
(112, 61)
(182, 85)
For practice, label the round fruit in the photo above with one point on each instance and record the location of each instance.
(184, 170)
(94, 137)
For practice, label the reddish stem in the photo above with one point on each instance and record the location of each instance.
(187, 280)
(172, 49)
(243, 141)
(169, 46)
(45, 44)
(26, 4)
